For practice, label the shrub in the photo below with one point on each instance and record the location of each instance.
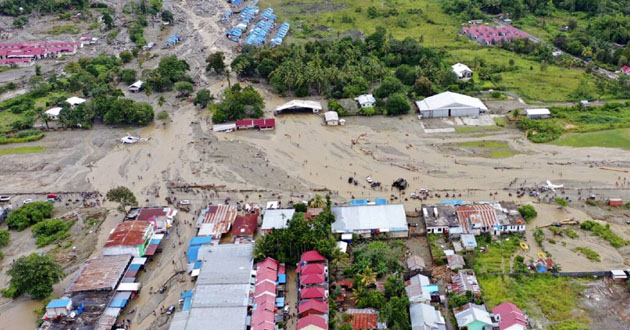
(51, 230)
(528, 212)
(561, 201)
(4, 238)
(29, 214)
(571, 233)
(588, 253)
(163, 115)
(300, 207)
(368, 111)
(604, 232)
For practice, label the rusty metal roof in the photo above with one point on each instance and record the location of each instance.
(100, 273)
(479, 215)
(216, 220)
(128, 233)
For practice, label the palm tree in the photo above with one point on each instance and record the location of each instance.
(367, 277)
(318, 202)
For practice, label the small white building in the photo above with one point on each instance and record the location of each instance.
(276, 219)
(366, 100)
(538, 113)
(449, 104)
(224, 127)
(74, 101)
(332, 118)
(299, 106)
(58, 307)
(136, 87)
(462, 71)
(53, 113)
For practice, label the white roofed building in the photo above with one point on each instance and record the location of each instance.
(332, 118)
(426, 317)
(276, 219)
(462, 71)
(299, 106)
(366, 100)
(369, 220)
(74, 101)
(449, 104)
(538, 113)
(136, 87)
(53, 113)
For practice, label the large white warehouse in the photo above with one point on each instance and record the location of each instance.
(449, 104)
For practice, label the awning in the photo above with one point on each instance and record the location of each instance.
(151, 250)
(139, 261)
(200, 240)
(131, 273)
(280, 302)
(198, 265)
(195, 272)
(192, 253)
(346, 237)
(134, 267)
(282, 278)
(157, 236)
(118, 303)
(129, 287)
(123, 295)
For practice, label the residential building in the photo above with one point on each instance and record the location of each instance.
(222, 290)
(489, 35)
(312, 307)
(462, 71)
(276, 219)
(473, 317)
(53, 113)
(509, 219)
(416, 288)
(463, 281)
(371, 220)
(74, 101)
(441, 219)
(426, 317)
(262, 124)
(538, 113)
(299, 106)
(58, 307)
(129, 237)
(265, 293)
(625, 70)
(455, 261)
(364, 319)
(216, 220)
(366, 100)
(510, 317)
(312, 271)
(449, 104)
(468, 241)
(245, 225)
(312, 322)
(416, 263)
(332, 118)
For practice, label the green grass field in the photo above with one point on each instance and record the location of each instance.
(613, 138)
(6, 119)
(21, 150)
(491, 149)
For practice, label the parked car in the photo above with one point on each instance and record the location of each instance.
(4, 199)
(170, 310)
(27, 201)
(369, 179)
(184, 202)
(400, 183)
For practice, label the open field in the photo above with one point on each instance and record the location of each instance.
(614, 138)
(489, 148)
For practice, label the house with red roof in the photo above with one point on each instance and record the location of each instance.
(312, 279)
(312, 322)
(129, 237)
(264, 295)
(245, 225)
(625, 70)
(316, 292)
(313, 269)
(312, 306)
(510, 317)
(312, 256)
(363, 319)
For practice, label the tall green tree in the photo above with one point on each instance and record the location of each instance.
(123, 196)
(35, 275)
(216, 62)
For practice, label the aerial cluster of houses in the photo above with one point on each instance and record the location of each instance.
(104, 285)
(312, 284)
(25, 54)
(489, 35)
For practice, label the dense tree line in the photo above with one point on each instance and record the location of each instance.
(238, 103)
(347, 67)
(170, 71)
(12, 7)
(474, 9)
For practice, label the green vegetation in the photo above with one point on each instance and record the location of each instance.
(497, 257)
(21, 150)
(33, 274)
(49, 231)
(163, 115)
(561, 201)
(64, 29)
(436, 251)
(604, 232)
(528, 212)
(169, 71)
(613, 138)
(287, 245)
(539, 236)
(588, 253)
(491, 149)
(12, 7)
(216, 62)
(203, 98)
(571, 233)
(4, 238)
(238, 103)
(555, 297)
(123, 196)
(29, 214)
(477, 129)
(383, 257)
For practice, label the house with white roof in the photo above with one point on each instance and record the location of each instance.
(473, 317)
(366, 100)
(53, 113)
(416, 288)
(332, 118)
(74, 101)
(299, 106)
(426, 317)
(449, 104)
(538, 113)
(462, 71)
(136, 87)
(276, 219)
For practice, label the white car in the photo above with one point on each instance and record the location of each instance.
(369, 179)
(184, 202)
(27, 201)
(5, 198)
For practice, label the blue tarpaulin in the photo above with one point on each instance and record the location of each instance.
(192, 253)
(452, 201)
(198, 265)
(282, 278)
(200, 240)
(358, 202)
(120, 303)
(58, 303)
(380, 201)
(187, 295)
(155, 241)
(280, 302)
(134, 267)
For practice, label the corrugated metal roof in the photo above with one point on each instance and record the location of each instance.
(390, 217)
(129, 233)
(100, 273)
(276, 218)
(476, 215)
(362, 319)
(245, 225)
(217, 220)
